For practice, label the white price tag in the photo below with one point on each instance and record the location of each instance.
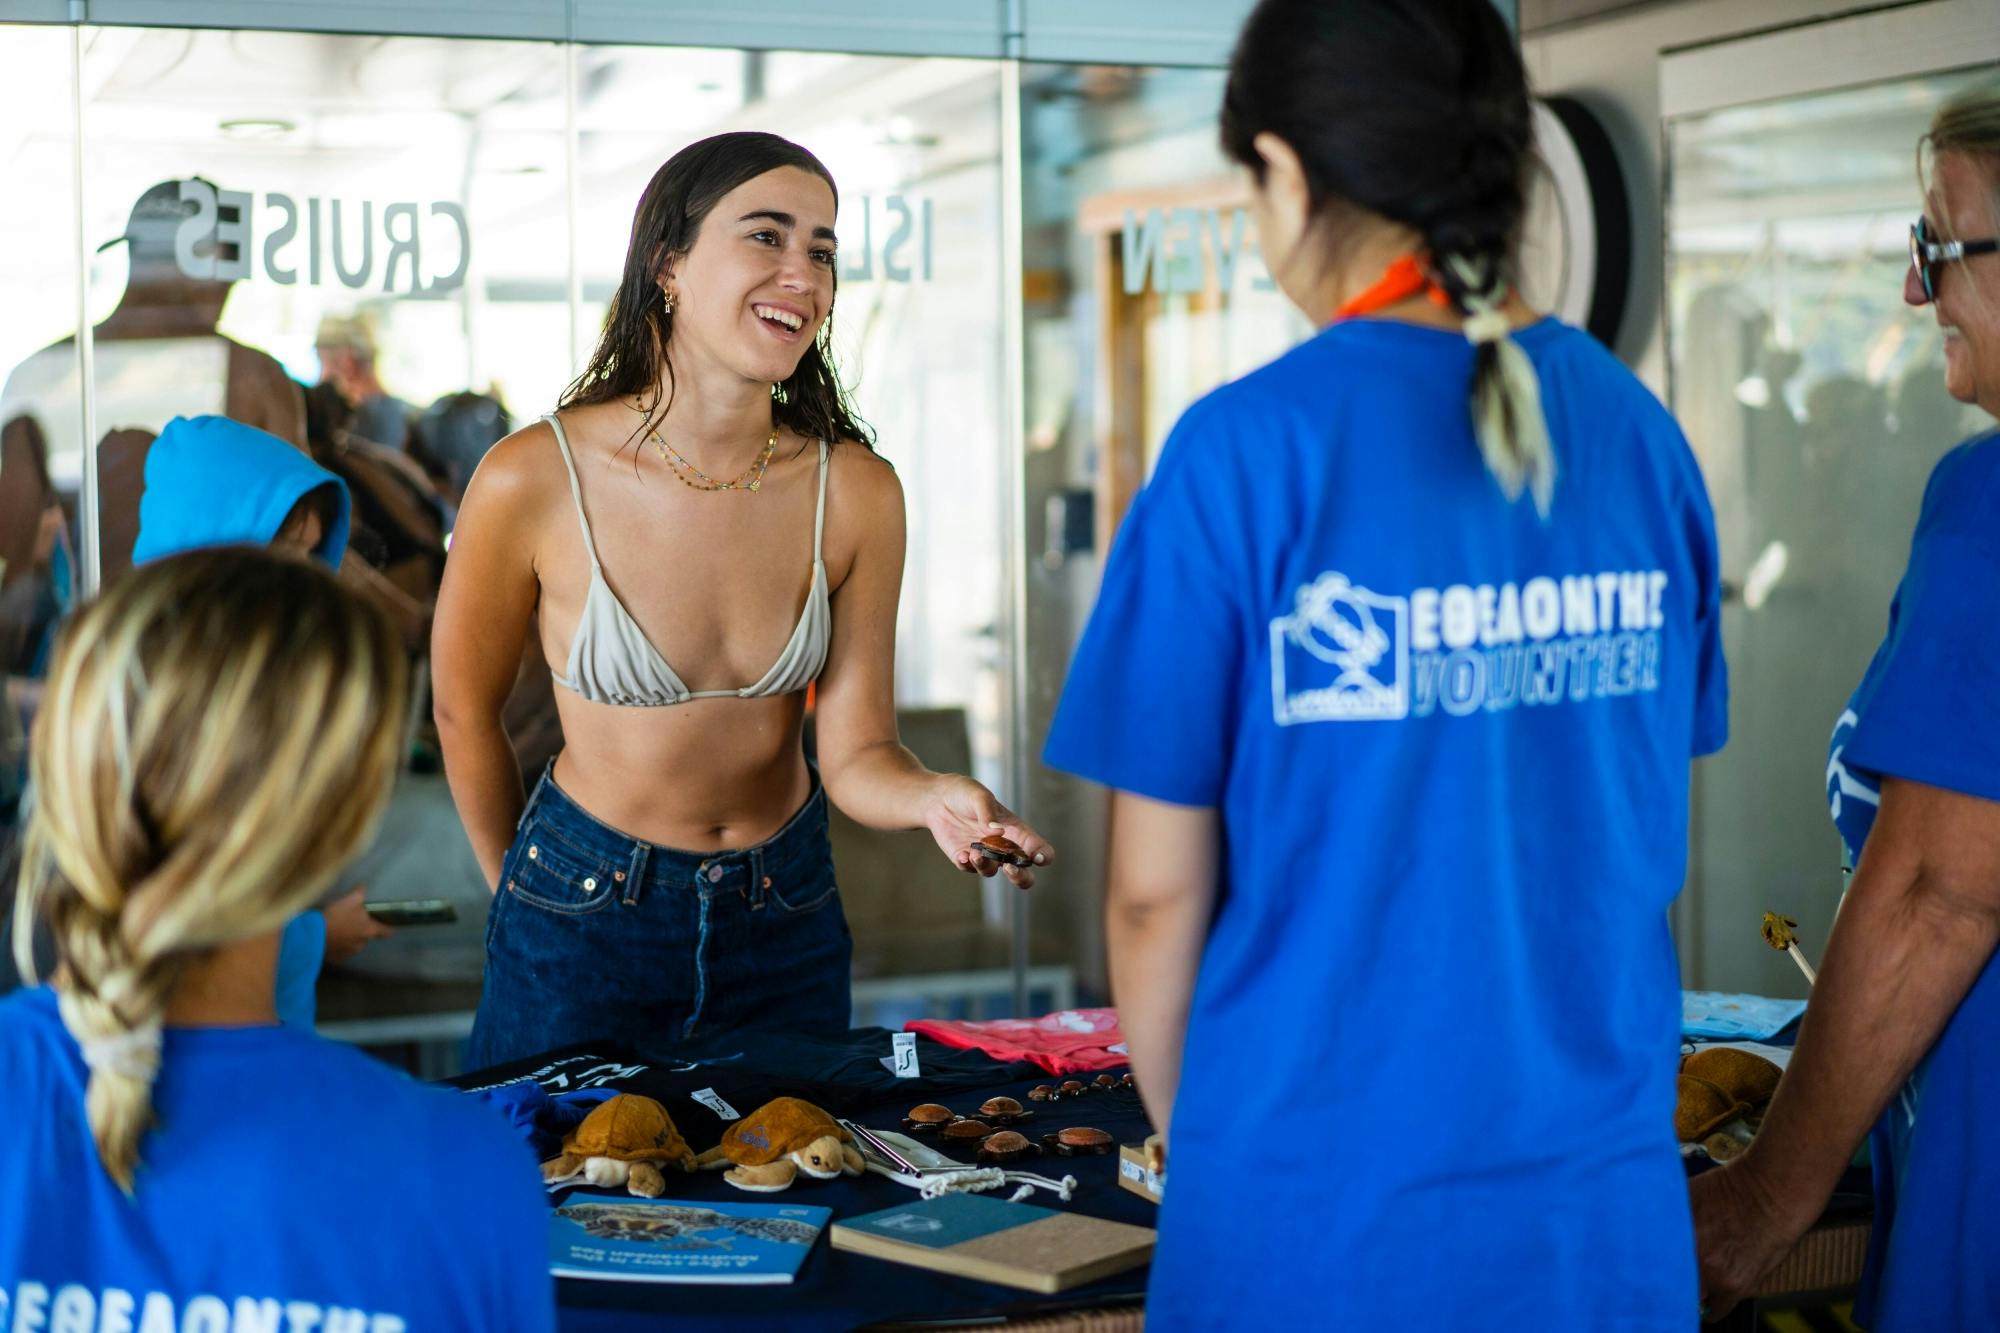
(712, 1099)
(906, 1054)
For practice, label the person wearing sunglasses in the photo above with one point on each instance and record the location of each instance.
(1927, 253)
(1905, 1018)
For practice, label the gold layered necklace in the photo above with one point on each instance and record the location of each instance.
(749, 479)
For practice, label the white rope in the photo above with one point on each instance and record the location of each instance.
(976, 1180)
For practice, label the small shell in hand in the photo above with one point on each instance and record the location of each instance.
(996, 848)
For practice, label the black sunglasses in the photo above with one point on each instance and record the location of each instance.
(1926, 254)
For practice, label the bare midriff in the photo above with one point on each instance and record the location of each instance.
(708, 775)
(718, 582)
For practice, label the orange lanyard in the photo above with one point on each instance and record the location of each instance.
(1402, 280)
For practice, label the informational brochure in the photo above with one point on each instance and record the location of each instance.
(629, 1239)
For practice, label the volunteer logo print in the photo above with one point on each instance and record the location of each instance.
(1346, 654)
(1343, 654)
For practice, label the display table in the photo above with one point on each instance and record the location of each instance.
(837, 1289)
(840, 1290)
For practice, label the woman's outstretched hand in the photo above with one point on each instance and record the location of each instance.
(961, 812)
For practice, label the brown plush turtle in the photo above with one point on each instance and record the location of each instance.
(621, 1142)
(769, 1147)
(1719, 1084)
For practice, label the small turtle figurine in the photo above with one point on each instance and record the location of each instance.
(1079, 1140)
(928, 1118)
(994, 847)
(1003, 1111)
(769, 1147)
(622, 1142)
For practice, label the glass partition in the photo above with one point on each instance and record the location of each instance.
(1815, 400)
(390, 251)
(39, 277)
(1144, 289)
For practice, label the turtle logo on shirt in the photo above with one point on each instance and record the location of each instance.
(1361, 636)
(1337, 627)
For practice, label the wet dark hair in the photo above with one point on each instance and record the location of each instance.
(632, 349)
(1414, 110)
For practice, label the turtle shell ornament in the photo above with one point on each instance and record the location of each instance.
(766, 1150)
(622, 1141)
(994, 847)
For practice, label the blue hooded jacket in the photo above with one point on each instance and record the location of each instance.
(211, 481)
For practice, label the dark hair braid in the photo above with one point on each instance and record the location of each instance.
(1416, 111)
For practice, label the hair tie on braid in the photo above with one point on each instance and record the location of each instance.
(134, 1055)
(1487, 326)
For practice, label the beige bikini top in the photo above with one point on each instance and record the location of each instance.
(611, 661)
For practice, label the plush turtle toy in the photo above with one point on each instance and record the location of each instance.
(622, 1142)
(769, 1147)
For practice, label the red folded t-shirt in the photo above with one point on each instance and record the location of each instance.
(1070, 1041)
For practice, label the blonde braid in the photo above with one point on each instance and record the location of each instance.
(218, 738)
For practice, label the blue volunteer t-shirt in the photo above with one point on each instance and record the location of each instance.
(1429, 1072)
(292, 1184)
(1928, 710)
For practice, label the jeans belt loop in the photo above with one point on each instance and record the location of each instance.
(760, 883)
(635, 873)
(534, 794)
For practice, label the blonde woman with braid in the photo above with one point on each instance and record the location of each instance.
(217, 738)
(1396, 671)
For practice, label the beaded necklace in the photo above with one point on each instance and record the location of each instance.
(749, 479)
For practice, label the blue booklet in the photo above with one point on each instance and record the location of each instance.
(1707, 1013)
(629, 1239)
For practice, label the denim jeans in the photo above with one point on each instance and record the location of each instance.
(597, 936)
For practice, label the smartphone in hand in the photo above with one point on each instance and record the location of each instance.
(413, 912)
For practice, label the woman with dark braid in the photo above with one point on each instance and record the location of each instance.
(1396, 672)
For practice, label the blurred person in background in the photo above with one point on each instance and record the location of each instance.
(158, 355)
(347, 352)
(214, 482)
(1904, 1023)
(453, 434)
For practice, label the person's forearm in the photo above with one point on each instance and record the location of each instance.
(485, 781)
(1900, 960)
(1155, 950)
(880, 786)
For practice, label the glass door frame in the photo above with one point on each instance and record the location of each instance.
(1910, 41)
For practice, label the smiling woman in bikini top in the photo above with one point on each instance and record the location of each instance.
(699, 533)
